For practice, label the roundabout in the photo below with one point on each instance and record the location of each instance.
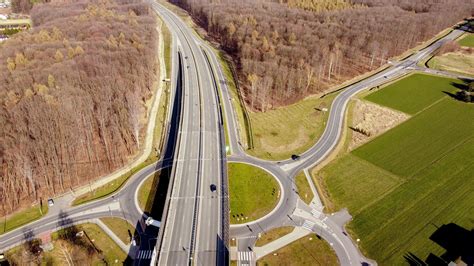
(254, 192)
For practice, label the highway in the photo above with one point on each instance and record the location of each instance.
(195, 227)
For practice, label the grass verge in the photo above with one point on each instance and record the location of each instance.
(309, 250)
(111, 187)
(303, 187)
(253, 192)
(273, 234)
(147, 190)
(121, 228)
(22, 217)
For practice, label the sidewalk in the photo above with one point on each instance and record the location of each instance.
(112, 235)
(298, 233)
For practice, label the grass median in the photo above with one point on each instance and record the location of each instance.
(309, 250)
(253, 192)
(304, 189)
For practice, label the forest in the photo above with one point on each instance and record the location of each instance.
(73, 90)
(284, 50)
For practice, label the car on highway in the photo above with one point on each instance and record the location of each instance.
(295, 157)
(50, 202)
(213, 187)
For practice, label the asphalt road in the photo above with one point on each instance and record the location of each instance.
(196, 221)
(193, 229)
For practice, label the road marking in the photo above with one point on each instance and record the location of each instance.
(245, 258)
(316, 213)
(145, 254)
(308, 225)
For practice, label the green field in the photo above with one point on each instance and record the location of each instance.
(467, 40)
(252, 191)
(413, 93)
(281, 132)
(309, 250)
(416, 176)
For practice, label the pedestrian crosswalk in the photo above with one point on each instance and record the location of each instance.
(144, 254)
(316, 213)
(245, 258)
(308, 225)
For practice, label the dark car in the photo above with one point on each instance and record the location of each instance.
(295, 157)
(213, 187)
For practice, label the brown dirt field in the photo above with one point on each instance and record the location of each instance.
(374, 119)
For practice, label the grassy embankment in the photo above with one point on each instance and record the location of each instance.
(115, 185)
(147, 190)
(120, 227)
(273, 234)
(281, 132)
(309, 250)
(22, 217)
(253, 192)
(93, 248)
(415, 176)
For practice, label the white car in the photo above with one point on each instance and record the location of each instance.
(50, 202)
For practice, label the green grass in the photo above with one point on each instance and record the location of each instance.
(304, 190)
(415, 175)
(252, 191)
(273, 234)
(309, 250)
(146, 190)
(454, 62)
(467, 40)
(288, 130)
(120, 227)
(413, 93)
(22, 217)
(357, 193)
